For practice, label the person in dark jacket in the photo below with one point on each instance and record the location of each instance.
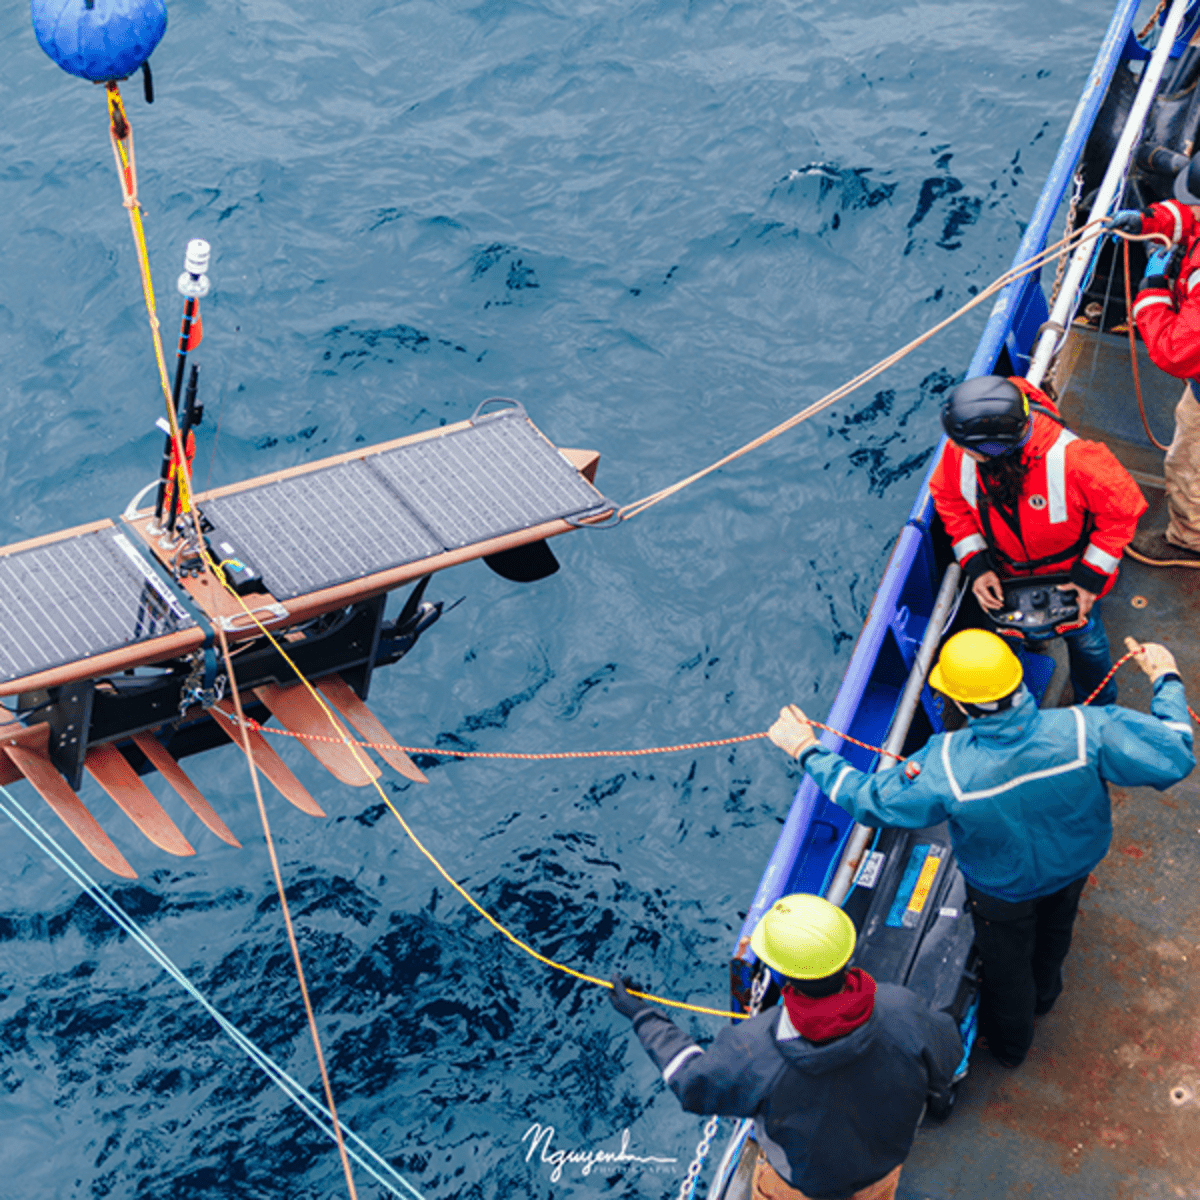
(836, 1078)
(1025, 793)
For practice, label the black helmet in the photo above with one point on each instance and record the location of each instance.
(987, 414)
(1187, 182)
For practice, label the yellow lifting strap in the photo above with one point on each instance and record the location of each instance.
(120, 133)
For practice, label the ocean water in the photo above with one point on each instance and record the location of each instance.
(661, 225)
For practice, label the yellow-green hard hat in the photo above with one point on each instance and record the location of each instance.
(804, 937)
(976, 667)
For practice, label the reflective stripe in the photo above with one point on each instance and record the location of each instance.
(837, 787)
(969, 545)
(1179, 727)
(1056, 478)
(678, 1061)
(1080, 760)
(1173, 205)
(1149, 302)
(966, 480)
(1193, 278)
(1101, 559)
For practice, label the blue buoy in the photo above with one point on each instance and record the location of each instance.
(99, 39)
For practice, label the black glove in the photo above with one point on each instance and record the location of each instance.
(1128, 220)
(627, 1005)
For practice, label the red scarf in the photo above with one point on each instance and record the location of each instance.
(827, 1017)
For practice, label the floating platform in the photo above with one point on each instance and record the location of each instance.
(108, 639)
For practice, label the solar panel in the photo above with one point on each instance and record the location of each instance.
(320, 529)
(78, 597)
(496, 477)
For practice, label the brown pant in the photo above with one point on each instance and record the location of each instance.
(769, 1185)
(1181, 468)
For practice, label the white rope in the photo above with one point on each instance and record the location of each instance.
(378, 1167)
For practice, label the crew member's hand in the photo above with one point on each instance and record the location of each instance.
(1154, 659)
(1159, 263)
(1083, 597)
(627, 1005)
(1128, 220)
(988, 591)
(792, 733)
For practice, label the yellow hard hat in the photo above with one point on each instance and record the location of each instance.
(804, 937)
(976, 667)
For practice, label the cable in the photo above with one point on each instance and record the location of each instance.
(373, 1163)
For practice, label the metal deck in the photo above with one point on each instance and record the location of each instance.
(1107, 1106)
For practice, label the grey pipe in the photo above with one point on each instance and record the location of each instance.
(901, 722)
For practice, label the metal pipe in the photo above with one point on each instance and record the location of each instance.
(901, 723)
(1060, 318)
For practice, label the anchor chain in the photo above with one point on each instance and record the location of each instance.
(687, 1188)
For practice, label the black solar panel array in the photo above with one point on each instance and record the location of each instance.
(95, 592)
(77, 597)
(342, 522)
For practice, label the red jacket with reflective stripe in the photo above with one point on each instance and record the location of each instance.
(1071, 485)
(1168, 318)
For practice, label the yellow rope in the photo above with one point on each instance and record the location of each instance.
(364, 766)
(630, 510)
(120, 133)
(121, 136)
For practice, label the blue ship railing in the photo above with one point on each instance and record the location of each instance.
(870, 689)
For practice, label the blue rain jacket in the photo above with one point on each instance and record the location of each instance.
(1024, 791)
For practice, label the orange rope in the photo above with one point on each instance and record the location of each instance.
(121, 137)
(1133, 362)
(642, 753)
(438, 752)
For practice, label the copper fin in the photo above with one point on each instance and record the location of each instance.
(52, 788)
(110, 769)
(267, 761)
(295, 709)
(369, 725)
(173, 773)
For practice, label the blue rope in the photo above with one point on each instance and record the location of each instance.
(313, 1109)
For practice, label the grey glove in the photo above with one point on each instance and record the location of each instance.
(627, 1005)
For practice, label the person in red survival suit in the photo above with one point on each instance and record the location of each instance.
(1167, 314)
(1021, 495)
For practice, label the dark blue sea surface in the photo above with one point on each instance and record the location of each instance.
(663, 227)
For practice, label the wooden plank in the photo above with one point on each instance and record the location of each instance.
(188, 792)
(13, 733)
(267, 761)
(369, 725)
(52, 788)
(111, 770)
(295, 709)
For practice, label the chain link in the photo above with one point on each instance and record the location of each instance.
(1076, 196)
(1158, 12)
(687, 1189)
(194, 692)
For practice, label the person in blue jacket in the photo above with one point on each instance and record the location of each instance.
(1026, 798)
(835, 1077)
